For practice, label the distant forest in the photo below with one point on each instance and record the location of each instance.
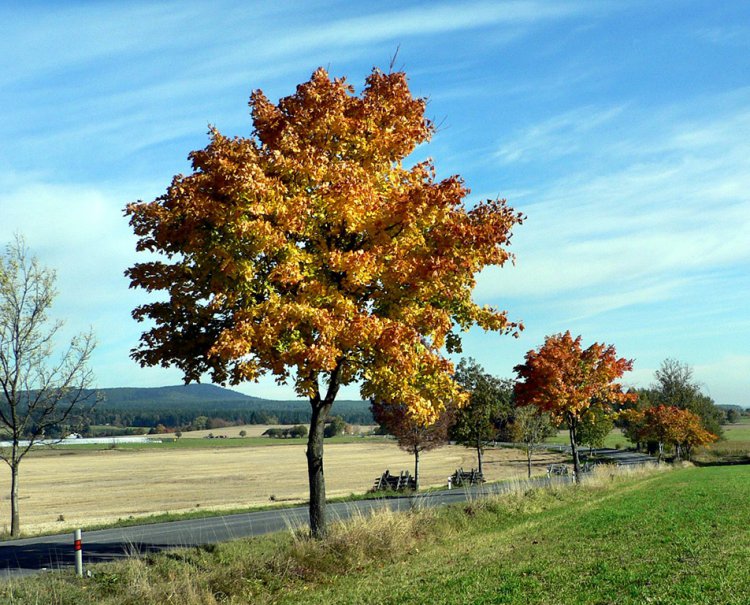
(180, 406)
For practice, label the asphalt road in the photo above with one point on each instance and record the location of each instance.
(31, 555)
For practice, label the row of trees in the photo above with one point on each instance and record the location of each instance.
(189, 414)
(561, 384)
(496, 411)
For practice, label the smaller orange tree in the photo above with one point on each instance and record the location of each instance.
(693, 433)
(563, 379)
(670, 425)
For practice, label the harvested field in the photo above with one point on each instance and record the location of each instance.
(94, 487)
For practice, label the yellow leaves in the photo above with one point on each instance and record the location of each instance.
(310, 246)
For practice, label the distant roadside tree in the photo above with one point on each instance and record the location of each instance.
(733, 416)
(243, 433)
(693, 434)
(312, 251)
(675, 386)
(565, 380)
(39, 391)
(412, 434)
(632, 423)
(178, 434)
(531, 426)
(596, 423)
(489, 404)
(671, 426)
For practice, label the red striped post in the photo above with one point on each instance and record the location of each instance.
(78, 547)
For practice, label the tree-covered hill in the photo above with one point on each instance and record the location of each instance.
(179, 406)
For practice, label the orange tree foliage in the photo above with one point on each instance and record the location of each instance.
(670, 425)
(563, 379)
(311, 252)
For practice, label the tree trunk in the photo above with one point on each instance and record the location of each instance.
(479, 456)
(528, 457)
(315, 469)
(574, 450)
(15, 520)
(416, 469)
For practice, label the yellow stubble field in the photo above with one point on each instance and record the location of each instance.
(67, 489)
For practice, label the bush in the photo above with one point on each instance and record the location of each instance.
(335, 426)
(299, 431)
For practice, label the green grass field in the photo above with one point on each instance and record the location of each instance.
(671, 538)
(739, 431)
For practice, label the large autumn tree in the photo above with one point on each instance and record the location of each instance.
(311, 251)
(564, 379)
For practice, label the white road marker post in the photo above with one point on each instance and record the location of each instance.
(78, 546)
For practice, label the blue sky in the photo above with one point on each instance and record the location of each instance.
(621, 129)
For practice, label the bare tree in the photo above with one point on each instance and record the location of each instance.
(40, 391)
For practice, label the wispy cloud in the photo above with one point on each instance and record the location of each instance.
(735, 35)
(557, 136)
(676, 208)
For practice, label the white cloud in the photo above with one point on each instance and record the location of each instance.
(643, 229)
(735, 35)
(80, 233)
(556, 136)
(727, 379)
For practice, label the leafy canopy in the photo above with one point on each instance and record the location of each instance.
(413, 436)
(310, 250)
(671, 425)
(562, 378)
(489, 406)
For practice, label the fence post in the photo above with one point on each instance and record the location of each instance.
(77, 545)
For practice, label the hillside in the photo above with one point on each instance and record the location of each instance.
(177, 394)
(179, 405)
